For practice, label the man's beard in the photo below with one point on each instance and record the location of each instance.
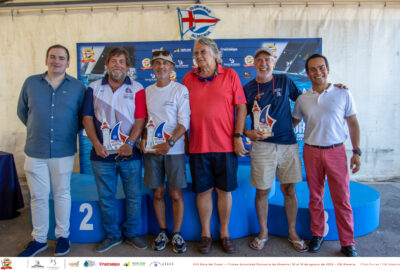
(117, 76)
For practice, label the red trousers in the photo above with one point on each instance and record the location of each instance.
(330, 163)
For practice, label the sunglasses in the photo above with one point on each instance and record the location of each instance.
(208, 79)
(119, 158)
(158, 53)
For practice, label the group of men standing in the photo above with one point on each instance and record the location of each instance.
(212, 105)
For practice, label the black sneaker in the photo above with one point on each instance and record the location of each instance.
(33, 248)
(178, 244)
(161, 241)
(136, 242)
(107, 244)
(63, 246)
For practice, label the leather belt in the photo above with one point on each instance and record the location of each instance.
(325, 147)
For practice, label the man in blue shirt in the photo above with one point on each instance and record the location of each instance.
(50, 106)
(274, 149)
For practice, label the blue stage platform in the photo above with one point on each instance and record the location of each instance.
(86, 219)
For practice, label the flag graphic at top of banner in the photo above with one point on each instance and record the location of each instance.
(197, 21)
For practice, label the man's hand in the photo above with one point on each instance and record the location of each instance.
(239, 147)
(355, 163)
(341, 86)
(125, 150)
(254, 135)
(100, 150)
(161, 149)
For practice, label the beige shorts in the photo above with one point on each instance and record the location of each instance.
(270, 159)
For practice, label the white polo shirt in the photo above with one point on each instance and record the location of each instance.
(324, 115)
(169, 104)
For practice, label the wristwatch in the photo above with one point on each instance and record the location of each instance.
(357, 151)
(171, 143)
(238, 135)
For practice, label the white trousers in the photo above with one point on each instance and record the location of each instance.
(43, 175)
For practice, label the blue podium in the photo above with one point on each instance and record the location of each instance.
(86, 219)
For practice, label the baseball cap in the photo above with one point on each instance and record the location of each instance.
(162, 54)
(263, 50)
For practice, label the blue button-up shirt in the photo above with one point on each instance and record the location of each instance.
(52, 117)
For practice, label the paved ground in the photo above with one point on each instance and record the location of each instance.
(15, 233)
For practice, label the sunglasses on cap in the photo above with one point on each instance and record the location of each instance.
(162, 52)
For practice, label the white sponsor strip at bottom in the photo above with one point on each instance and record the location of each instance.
(176, 262)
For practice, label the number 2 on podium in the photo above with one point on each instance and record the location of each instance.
(85, 226)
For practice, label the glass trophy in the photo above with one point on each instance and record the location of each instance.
(262, 121)
(155, 135)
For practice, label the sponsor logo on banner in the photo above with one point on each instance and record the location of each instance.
(6, 263)
(183, 50)
(87, 56)
(272, 47)
(152, 78)
(223, 49)
(194, 64)
(196, 21)
(231, 63)
(247, 74)
(180, 64)
(89, 263)
(146, 64)
(172, 76)
(249, 61)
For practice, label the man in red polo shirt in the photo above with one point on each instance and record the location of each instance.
(215, 139)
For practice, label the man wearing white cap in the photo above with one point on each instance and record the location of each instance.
(274, 151)
(164, 146)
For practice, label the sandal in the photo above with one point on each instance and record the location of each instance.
(258, 244)
(299, 245)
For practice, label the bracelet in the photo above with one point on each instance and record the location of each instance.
(130, 143)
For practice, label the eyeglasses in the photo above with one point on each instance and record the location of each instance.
(119, 158)
(161, 52)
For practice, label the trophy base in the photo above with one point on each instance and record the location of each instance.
(267, 135)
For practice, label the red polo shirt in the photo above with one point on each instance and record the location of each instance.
(212, 105)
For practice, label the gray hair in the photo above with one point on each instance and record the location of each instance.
(213, 48)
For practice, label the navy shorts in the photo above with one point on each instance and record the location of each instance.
(211, 170)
